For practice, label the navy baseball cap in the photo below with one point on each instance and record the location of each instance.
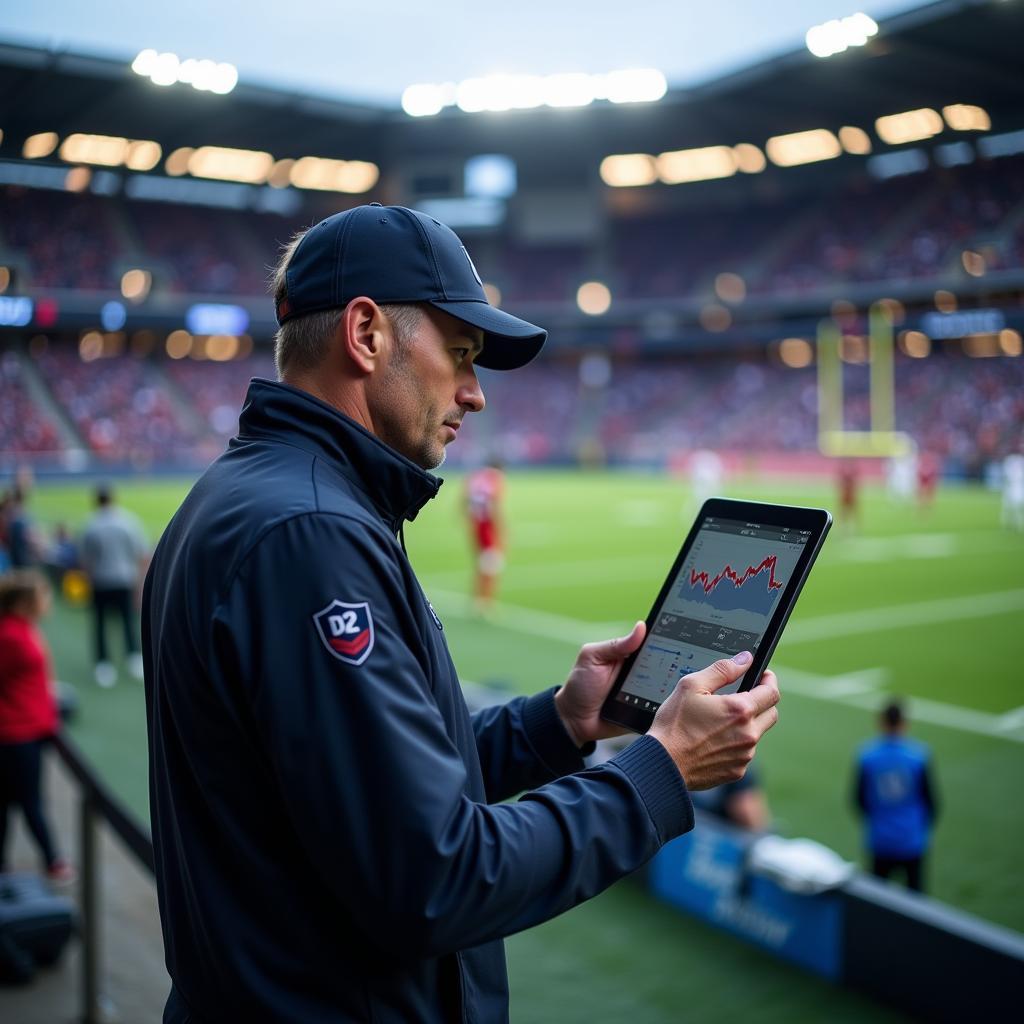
(392, 254)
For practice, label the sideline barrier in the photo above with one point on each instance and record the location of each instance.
(97, 802)
(908, 950)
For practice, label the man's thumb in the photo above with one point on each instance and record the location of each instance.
(622, 646)
(723, 672)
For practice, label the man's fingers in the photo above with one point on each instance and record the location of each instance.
(766, 694)
(764, 721)
(720, 673)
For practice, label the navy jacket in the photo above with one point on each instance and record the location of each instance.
(330, 842)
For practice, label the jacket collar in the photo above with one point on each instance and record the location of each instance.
(397, 487)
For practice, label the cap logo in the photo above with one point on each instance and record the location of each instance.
(472, 266)
(346, 630)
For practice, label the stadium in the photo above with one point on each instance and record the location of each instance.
(811, 267)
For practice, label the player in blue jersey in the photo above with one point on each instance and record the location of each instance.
(896, 794)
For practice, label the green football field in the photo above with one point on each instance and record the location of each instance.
(929, 605)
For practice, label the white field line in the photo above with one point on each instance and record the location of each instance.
(894, 549)
(920, 613)
(867, 696)
(855, 689)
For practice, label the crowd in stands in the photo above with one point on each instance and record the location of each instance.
(157, 412)
(122, 408)
(216, 390)
(24, 427)
(908, 227)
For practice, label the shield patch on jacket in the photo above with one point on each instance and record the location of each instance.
(346, 630)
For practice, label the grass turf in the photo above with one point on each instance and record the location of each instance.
(587, 553)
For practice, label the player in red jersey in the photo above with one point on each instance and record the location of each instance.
(928, 473)
(485, 488)
(849, 487)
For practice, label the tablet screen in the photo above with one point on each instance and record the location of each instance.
(719, 603)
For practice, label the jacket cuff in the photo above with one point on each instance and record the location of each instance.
(549, 737)
(657, 779)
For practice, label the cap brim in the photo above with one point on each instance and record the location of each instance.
(508, 341)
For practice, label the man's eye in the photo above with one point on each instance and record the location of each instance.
(461, 353)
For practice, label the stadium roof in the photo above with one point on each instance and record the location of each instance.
(952, 51)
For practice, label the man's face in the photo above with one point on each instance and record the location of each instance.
(429, 384)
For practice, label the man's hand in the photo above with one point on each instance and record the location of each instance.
(579, 701)
(712, 737)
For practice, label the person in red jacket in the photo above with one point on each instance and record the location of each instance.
(28, 711)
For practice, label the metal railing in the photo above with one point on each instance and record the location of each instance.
(96, 803)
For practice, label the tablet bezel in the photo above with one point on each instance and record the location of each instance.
(817, 520)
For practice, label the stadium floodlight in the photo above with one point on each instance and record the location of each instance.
(1010, 342)
(135, 284)
(593, 298)
(350, 176)
(909, 126)
(796, 352)
(105, 150)
(142, 155)
(730, 287)
(803, 147)
(427, 100)
(569, 90)
(749, 158)
(40, 145)
(840, 34)
(963, 117)
(855, 140)
(201, 73)
(973, 263)
(636, 85)
(246, 165)
(500, 92)
(626, 170)
(915, 344)
(684, 165)
(177, 163)
(178, 344)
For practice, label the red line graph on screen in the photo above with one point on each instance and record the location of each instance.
(738, 580)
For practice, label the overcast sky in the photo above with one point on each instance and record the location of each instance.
(372, 51)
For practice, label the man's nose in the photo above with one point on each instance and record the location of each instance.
(470, 396)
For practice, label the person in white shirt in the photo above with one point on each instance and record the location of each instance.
(113, 553)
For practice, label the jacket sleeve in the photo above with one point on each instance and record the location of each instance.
(522, 744)
(374, 788)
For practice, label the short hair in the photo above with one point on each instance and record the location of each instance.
(18, 585)
(104, 494)
(301, 342)
(892, 714)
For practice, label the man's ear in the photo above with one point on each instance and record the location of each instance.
(363, 333)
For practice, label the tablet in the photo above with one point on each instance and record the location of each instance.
(732, 588)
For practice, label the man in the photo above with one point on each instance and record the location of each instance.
(113, 552)
(485, 488)
(896, 795)
(330, 839)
